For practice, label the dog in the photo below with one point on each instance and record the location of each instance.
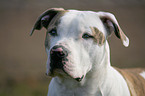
(79, 55)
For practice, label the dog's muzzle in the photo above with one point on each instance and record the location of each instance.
(58, 57)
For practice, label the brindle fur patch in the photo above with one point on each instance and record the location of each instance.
(99, 38)
(134, 81)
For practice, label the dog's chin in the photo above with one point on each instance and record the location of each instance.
(65, 73)
(56, 72)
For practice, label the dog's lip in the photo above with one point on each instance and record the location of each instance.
(62, 72)
(79, 79)
(55, 72)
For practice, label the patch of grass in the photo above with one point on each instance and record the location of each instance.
(24, 89)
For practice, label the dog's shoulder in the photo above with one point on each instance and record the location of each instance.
(135, 78)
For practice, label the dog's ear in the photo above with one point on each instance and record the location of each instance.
(112, 25)
(45, 18)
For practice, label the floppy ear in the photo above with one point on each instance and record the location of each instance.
(45, 18)
(112, 25)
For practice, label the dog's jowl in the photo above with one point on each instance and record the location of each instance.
(79, 55)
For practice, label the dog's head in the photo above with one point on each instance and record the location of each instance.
(75, 40)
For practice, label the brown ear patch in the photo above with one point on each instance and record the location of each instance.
(55, 21)
(99, 37)
(53, 25)
(46, 17)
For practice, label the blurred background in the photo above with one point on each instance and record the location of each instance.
(23, 58)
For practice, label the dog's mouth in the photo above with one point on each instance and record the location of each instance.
(57, 65)
(60, 68)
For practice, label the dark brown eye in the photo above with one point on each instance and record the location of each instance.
(87, 36)
(53, 32)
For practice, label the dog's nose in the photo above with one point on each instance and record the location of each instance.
(59, 51)
(58, 57)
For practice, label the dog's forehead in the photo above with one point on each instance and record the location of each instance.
(81, 19)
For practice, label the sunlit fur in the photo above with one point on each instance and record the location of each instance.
(86, 58)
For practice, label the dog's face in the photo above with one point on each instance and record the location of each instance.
(75, 40)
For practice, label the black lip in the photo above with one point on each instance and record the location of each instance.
(58, 64)
(79, 79)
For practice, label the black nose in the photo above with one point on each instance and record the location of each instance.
(59, 52)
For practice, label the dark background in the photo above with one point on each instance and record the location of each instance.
(23, 58)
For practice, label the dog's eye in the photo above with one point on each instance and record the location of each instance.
(86, 36)
(53, 32)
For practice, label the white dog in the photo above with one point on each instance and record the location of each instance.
(79, 56)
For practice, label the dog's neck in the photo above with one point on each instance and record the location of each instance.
(100, 81)
(105, 80)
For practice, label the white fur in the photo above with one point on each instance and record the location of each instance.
(143, 74)
(126, 42)
(86, 58)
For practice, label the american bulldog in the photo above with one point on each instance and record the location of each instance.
(79, 55)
